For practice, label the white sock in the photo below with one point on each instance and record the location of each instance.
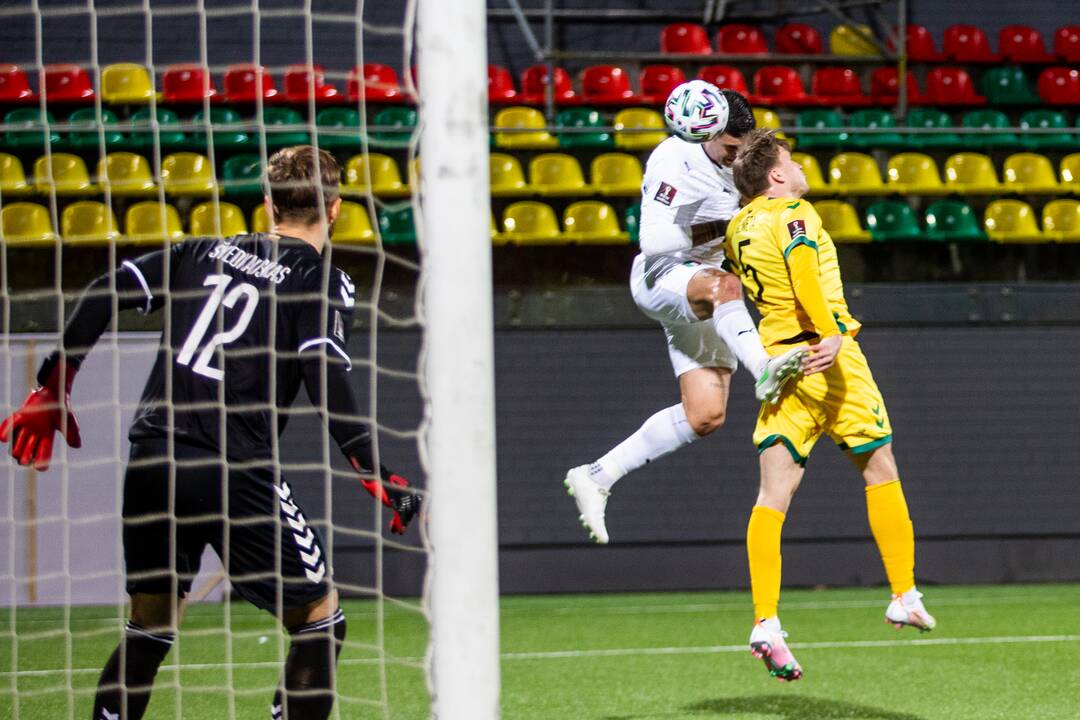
(772, 624)
(660, 435)
(912, 596)
(737, 328)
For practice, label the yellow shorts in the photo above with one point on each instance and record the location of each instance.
(844, 402)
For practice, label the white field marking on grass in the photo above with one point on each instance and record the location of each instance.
(613, 652)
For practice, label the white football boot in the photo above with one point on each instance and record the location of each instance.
(778, 370)
(909, 612)
(591, 501)
(767, 643)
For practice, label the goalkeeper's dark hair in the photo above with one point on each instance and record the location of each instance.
(740, 115)
(296, 175)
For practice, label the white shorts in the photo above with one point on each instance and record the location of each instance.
(692, 343)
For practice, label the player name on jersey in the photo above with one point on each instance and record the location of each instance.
(248, 263)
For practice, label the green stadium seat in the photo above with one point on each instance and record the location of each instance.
(988, 119)
(818, 118)
(971, 174)
(855, 174)
(221, 219)
(557, 174)
(632, 222)
(914, 174)
(32, 136)
(953, 221)
(1008, 85)
(1061, 220)
(1012, 221)
(1046, 120)
(531, 223)
(507, 176)
(89, 138)
(242, 175)
(13, 177)
(62, 173)
(168, 123)
(880, 120)
(29, 224)
(930, 118)
(152, 223)
(582, 118)
(89, 222)
(841, 221)
(396, 226)
(616, 174)
(338, 127)
(891, 221)
(594, 223)
(225, 137)
(284, 127)
(394, 117)
(1030, 174)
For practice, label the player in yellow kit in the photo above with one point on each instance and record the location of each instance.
(788, 266)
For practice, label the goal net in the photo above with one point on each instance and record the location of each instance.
(128, 127)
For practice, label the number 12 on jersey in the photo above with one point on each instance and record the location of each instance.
(244, 291)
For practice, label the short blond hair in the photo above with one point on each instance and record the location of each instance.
(759, 154)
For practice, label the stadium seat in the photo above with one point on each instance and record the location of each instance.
(89, 138)
(885, 87)
(126, 84)
(1030, 174)
(13, 177)
(969, 173)
(501, 89)
(1070, 173)
(876, 119)
(242, 175)
(920, 45)
(798, 39)
(534, 83)
(531, 223)
(685, 39)
(632, 222)
(582, 118)
(67, 83)
(837, 86)
(593, 222)
(912, 173)
(616, 174)
(225, 124)
(221, 219)
(812, 170)
(766, 118)
(246, 82)
(396, 226)
(384, 176)
(304, 81)
(851, 40)
(89, 222)
(608, 85)
(930, 118)
(953, 221)
(1046, 120)
(127, 175)
(557, 174)
(820, 119)
(169, 134)
(855, 174)
(630, 119)
(841, 221)
(1067, 43)
(497, 237)
(967, 44)
(187, 174)
(23, 223)
(187, 84)
(657, 82)
(739, 39)
(507, 176)
(779, 85)
(1008, 85)
(1011, 221)
(62, 173)
(724, 76)
(1060, 86)
(1061, 220)
(988, 120)
(33, 137)
(951, 86)
(152, 223)
(1022, 44)
(338, 127)
(402, 120)
(14, 85)
(260, 219)
(353, 225)
(892, 221)
(378, 83)
(523, 118)
(284, 127)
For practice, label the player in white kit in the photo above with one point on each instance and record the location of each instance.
(688, 196)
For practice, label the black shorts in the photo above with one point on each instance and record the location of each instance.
(272, 556)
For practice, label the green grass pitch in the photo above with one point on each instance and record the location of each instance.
(999, 652)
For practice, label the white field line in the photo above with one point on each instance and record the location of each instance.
(612, 652)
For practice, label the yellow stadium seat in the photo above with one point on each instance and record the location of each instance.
(1030, 173)
(631, 119)
(616, 174)
(260, 219)
(90, 222)
(12, 177)
(812, 170)
(126, 84)
(1070, 173)
(497, 238)
(523, 118)
(221, 219)
(841, 221)
(531, 223)
(846, 40)
(353, 225)
(1011, 221)
(855, 174)
(766, 118)
(384, 174)
(558, 175)
(971, 173)
(593, 222)
(63, 173)
(187, 174)
(23, 223)
(914, 174)
(126, 174)
(507, 176)
(152, 223)
(1061, 220)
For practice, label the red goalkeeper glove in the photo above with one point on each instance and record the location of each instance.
(392, 491)
(32, 426)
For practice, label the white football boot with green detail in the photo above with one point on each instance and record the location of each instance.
(591, 501)
(778, 370)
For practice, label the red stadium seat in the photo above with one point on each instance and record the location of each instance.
(885, 87)
(740, 39)
(607, 84)
(951, 86)
(657, 82)
(245, 82)
(303, 81)
(67, 83)
(724, 76)
(1060, 86)
(779, 85)
(920, 45)
(14, 85)
(379, 84)
(967, 43)
(1067, 43)
(837, 86)
(500, 86)
(1021, 43)
(534, 86)
(685, 39)
(799, 39)
(187, 83)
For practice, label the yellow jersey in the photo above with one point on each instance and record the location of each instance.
(759, 239)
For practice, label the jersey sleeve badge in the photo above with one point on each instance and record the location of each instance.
(665, 194)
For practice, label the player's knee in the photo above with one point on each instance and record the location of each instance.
(706, 420)
(724, 287)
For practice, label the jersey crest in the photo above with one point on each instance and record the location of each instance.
(797, 229)
(665, 194)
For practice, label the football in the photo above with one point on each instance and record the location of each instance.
(696, 111)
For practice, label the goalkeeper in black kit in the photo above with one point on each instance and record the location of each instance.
(248, 319)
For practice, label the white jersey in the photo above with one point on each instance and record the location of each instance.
(682, 187)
